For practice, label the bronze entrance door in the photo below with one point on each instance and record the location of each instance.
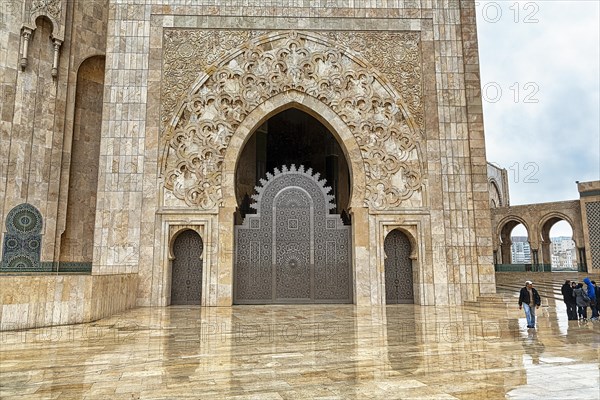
(292, 250)
(186, 282)
(398, 269)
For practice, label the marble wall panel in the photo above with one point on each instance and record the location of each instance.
(29, 301)
(37, 118)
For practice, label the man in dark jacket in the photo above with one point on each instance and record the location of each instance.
(529, 299)
(569, 299)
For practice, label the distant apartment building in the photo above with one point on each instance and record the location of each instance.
(520, 250)
(563, 253)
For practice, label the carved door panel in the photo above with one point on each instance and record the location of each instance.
(292, 250)
(293, 246)
(398, 269)
(186, 282)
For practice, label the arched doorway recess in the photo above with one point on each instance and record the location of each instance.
(186, 273)
(398, 269)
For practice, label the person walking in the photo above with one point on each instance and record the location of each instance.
(569, 299)
(529, 300)
(582, 300)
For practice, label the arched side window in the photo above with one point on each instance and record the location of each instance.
(495, 195)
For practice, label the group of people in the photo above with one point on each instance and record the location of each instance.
(578, 297)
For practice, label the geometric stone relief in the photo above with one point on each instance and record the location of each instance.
(396, 55)
(592, 210)
(195, 140)
(51, 8)
(186, 53)
(23, 239)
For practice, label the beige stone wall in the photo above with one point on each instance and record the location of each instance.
(423, 56)
(87, 28)
(38, 108)
(45, 300)
(451, 209)
(37, 118)
(9, 62)
(33, 148)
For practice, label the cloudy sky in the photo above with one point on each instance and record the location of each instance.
(540, 86)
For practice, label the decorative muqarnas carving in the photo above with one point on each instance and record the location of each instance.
(198, 136)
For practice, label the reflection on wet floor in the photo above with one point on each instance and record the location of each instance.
(292, 352)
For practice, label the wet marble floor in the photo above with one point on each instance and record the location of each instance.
(306, 352)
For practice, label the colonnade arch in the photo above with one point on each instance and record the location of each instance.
(546, 226)
(538, 219)
(495, 196)
(505, 233)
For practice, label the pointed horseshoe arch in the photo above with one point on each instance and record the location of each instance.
(312, 107)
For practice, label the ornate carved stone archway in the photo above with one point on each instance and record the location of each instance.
(197, 139)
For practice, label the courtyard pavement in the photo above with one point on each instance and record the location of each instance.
(307, 352)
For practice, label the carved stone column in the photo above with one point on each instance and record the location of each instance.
(546, 253)
(535, 258)
(56, 43)
(505, 252)
(26, 34)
